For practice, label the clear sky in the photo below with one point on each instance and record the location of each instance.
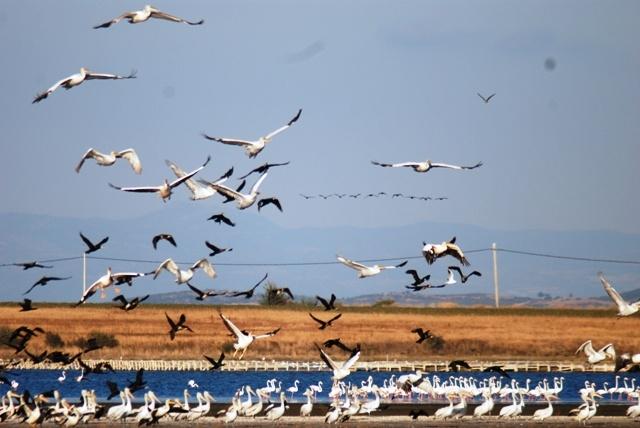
(378, 80)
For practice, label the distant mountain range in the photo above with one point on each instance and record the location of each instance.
(261, 246)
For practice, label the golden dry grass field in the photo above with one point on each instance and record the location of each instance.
(470, 333)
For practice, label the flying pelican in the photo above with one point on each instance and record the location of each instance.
(624, 308)
(165, 189)
(425, 166)
(243, 338)
(184, 276)
(339, 371)
(138, 16)
(107, 280)
(242, 200)
(253, 148)
(199, 189)
(595, 357)
(108, 159)
(365, 271)
(78, 78)
(432, 252)
(486, 99)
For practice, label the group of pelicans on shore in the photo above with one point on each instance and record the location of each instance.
(347, 401)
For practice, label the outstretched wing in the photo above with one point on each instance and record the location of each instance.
(41, 96)
(326, 358)
(351, 361)
(141, 189)
(91, 153)
(107, 76)
(184, 178)
(613, 294)
(155, 13)
(205, 266)
(231, 326)
(318, 320)
(114, 20)
(351, 263)
(132, 157)
(169, 265)
(268, 334)
(231, 141)
(291, 122)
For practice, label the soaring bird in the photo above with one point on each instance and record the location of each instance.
(177, 326)
(624, 308)
(163, 236)
(338, 343)
(464, 277)
(138, 16)
(244, 338)
(339, 371)
(91, 247)
(201, 295)
(199, 189)
(266, 201)
(221, 218)
(324, 324)
(422, 335)
(129, 305)
(423, 287)
(425, 166)
(486, 99)
(262, 169)
(280, 291)
(107, 280)
(44, 280)
(215, 364)
(243, 200)
(497, 369)
(184, 276)
(215, 250)
(108, 159)
(595, 357)
(253, 148)
(365, 271)
(432, 252)
(30, 265)
(26, 306)
(328, 305)
(164, 190)
(455, 365)
(417, 279)
(247, 293)
(78, 78)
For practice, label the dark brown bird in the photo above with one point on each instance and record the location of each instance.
(338, 343)
(279, 291)
(91, 246)
(248, 293)
(267, 201)
(44, 280)
(422, 335)
(464, 277)
(417, 279)
(29, 265)
(138, 382)
(324, 324)
(455, 365)
(263, 168)
(129, 305)
(91, 345)
(215, 364)
(215, 250)
(328, 305)
(165, 237)
(201, 295)
(26, 306)
(177, 326)
(497, 369)
(486, 99)
(220, 218)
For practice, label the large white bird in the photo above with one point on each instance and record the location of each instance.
(108, 159)
(184, 276)
(199, 190)
(365, 271)
(432, 252)
(343, 370)
(106, 280)
(242, 200)
(78, 78)
(244, 338)
(595, 357)
(165, 189)
(138, 16)
(252, 148)
(624, 308)
(424, 166)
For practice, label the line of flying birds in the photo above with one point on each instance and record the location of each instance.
(372, 195)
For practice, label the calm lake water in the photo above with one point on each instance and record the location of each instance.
(222, 385)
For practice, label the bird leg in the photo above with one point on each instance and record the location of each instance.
(242, 355)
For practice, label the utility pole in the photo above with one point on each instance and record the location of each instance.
(84, 273)
(496, 290)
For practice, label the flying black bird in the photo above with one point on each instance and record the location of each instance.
(177, 326)
(91, 345)
(337, 342)
(263, 168)
(328, 305)
(497, 369)
(220, 218)
(414, 413)
(114, 391)
(455, 365)
(91, 246)
(354, 196)
(422, 335)
(164, 236)
(29, 265)
(44, 280)
(324, 196)
(486, 100)
(36, 359)
(201, 295)
(307, 196)
(100, 367)
(26, 306)
(267, 201)
(248, 293)
(63, 358)
(129, 305)
(215, 364)
(215, 250)
(138, 382)
(464, 277)
(279, 291)
(23, 332)
(324, 324)
(417, 280)
(423, 287)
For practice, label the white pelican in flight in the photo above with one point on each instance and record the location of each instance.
(106, 280)
(78, 78)
(165, 189)
(624, 308)
(138, 16)
(432, 252)
(244, 338)
(198, 190)
(242, 200)
(595, 357)
(184, 276)
(343, 370)
(252, 148)
(108, 159)
(425, 166)
(365, 271)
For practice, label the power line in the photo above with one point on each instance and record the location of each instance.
(581, 259)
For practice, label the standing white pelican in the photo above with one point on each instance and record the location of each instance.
(305, 409)
(244, 338)
(242, 200)
(365, 271)
(343, 370)
(624, 308)
(108, 159)
(432, 252)
(487, 405)
(120, 412)
(138, 16)
(595, 357)
(78, 78)
(252, 148)
(165, 189)
(184, 276)
(199, 190)
(276, 413)
(545, 412)
(425, 166)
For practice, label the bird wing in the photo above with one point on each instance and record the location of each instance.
(455, 251)
(351, 361)
(226, 190)
(172, 324)
(86, 241)
(121, 299)
(268, 334)
(457, 269)
(169, 265)
(386, 165)
(212, 247)
(405, 164)
(132, 157)
(142, 299)
(483, 98)
(334, 318)
(101, 243)
(231, 326)
(155, 13)
(41, 96)
(288, 292)
(327, 359)
(91, 153)
(181, 180)
(114, 20)
(489, 97)
(323, 302)
(587, 347)
(445, 165)
(351, 263)
(179, 172)
(615, 296)
(107, 76)
(256, 186)
(282, 128)
(318, 320)
(141, 189)
(154, 241)
(205, 266)
(195, 290)
(231, 141)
